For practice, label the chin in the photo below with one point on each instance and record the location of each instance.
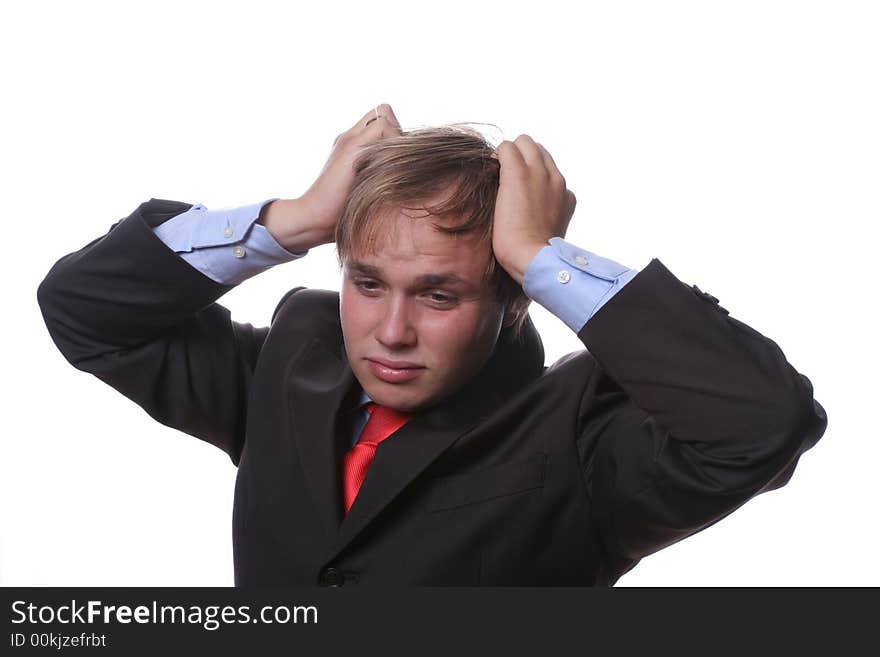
(398, 399)
(398, 402)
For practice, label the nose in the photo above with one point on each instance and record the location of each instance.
(395, 329)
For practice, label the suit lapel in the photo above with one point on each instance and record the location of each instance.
(398, 461)
(320, 385)
(322, 391)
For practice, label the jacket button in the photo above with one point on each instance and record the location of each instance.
(331, 577)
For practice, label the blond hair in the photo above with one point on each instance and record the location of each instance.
(403, 171)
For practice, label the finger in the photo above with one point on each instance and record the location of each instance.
(510, 157)
(530, 151)
(381, 113)
(568, 211)
(384, 126)
(379, 130)
(570, 202)
(386, 111)
(362, 122)
(550, 163)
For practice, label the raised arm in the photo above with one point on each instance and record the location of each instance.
(131, 311)
(137, 307)
(691, 412)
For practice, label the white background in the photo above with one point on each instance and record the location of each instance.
(735, 141)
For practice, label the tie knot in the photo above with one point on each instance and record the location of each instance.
(383, 422)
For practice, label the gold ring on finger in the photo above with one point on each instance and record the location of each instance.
(375, 118)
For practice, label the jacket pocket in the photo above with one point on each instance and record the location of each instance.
(497, 481)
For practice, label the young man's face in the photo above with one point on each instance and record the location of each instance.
(419, 318)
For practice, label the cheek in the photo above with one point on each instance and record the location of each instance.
(460, 335)
(353, 314)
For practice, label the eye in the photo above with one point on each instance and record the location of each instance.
(441, 299)
(366, 285)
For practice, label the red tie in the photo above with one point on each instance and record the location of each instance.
(383, 422)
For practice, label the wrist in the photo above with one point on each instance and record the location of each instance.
(517, 260)
(288, 222)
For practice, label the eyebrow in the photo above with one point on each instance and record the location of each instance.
(443, 278)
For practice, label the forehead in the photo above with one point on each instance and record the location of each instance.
(407, 240)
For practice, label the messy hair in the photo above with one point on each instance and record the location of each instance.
(404, 171)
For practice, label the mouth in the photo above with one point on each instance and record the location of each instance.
(394, 371)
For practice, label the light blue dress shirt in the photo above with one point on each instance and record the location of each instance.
(224, 244)
(228, 246)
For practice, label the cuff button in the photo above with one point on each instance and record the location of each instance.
(564, 276)
(238, 252)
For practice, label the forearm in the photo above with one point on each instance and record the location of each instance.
(703, 375)
(676, 353)
(290, 223)
(122, 288)
(130, 311)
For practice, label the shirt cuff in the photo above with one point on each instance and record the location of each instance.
(224, 244)
(572, 283)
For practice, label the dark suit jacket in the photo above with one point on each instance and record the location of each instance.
(674, 416)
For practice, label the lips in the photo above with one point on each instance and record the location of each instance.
(394, 371)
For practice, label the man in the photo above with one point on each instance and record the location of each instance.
(406, 430)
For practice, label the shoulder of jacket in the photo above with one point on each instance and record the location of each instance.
(575, 359)
(317, 302)
(569, 371)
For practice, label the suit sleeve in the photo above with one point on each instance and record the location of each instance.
(691, 414)
(128, 310)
